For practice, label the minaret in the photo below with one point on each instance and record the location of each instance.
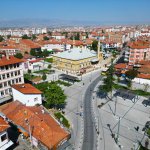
(98, 47)
(73, 41)
(99, 53)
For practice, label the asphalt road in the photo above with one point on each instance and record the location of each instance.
(89, 141)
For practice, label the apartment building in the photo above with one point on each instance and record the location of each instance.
(11, 72)
(9, 50)
(137, 51)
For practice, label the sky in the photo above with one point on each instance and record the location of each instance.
(82, 10)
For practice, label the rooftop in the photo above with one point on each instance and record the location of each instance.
(3, 125)
(43, 127)
(26, 88)
(76, 54)
(11, 60)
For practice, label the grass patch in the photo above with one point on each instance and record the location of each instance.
(46, 71)
(138, 92)
(50, 60)
(117, 86)
(29, 76)
(141, 92)
(63, 83)
(64, 121)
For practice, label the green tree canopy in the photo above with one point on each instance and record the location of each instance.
(94, 45)
(33, 37)
(25, 37)
(131, 74)
(1, 38)
(45, 53)
(45, 38)
(53, 94)
(19, 55)
(44, 77)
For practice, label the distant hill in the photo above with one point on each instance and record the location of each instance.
(58, 23)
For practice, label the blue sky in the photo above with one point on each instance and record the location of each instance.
(85, 10)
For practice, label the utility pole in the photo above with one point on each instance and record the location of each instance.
(118, 131)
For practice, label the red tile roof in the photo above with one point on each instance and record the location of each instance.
(144, 76)
(12, 60)
(43, 127)
(7, 47)
(26, 89)
(3, 125)
(30, 43)
(121, 66)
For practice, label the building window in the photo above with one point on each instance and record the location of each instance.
(3, 76)
(9, 83)
(15, 73)
(6, 67)
(16, 80)
(13, 81)
(5, 84)
(3, 137)
(10, 90)
(10, 66)
(18, 65)
(1, 85)
(19, 79)
(35, 99)
(8, 75)
(12, 74)
(2, 68)
(6, 91)
(19, 72)
(2, 93)
(14, 65)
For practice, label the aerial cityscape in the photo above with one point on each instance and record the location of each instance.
(75, 75)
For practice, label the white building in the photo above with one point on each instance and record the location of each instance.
(5, 143)
(10, 50)
(27, 94)
(11, 72)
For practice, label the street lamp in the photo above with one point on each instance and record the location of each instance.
(28, 124)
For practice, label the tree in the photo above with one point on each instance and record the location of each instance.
(44, 77)
(53, 94)
(94, 45)
(131, 74)
(25, 37)
(49, 66)
(77, 37)
(8, 36)
(1, 38)
(33, 52)
(33, 37)
(45, 53)
(108, 82)
(19, 55)
(45, 38)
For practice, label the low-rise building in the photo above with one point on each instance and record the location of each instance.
(27, 94)
(75, 60)
(35, 123)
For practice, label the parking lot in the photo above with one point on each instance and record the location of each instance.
(123, 117)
